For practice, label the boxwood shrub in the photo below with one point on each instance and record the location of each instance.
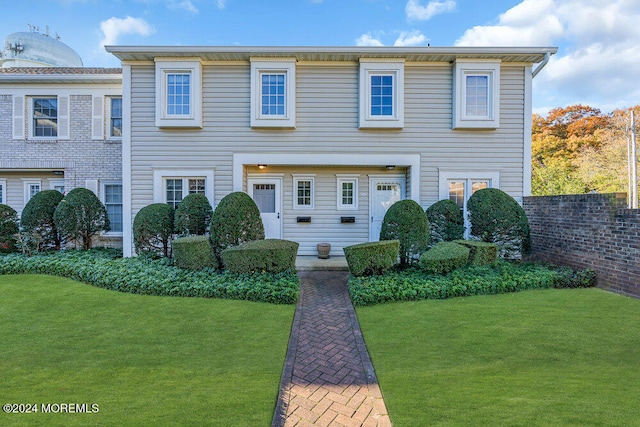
(193, 253)
(480, 253)
(372, 258)
(444, 257)
(39, 231)
(8, 228)
(153, 229)
(193, 215)
(406, 222)
(147, 276)
(80, 215)
(261, 256)
(446, 221)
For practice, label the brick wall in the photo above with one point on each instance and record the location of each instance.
(593, 231)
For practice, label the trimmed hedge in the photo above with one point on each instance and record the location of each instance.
(481, 253)
(8, 229)
(236, 220)
(39, 231)
(497, 217)
(193, 215)
(80, 215)
(261, 256)
(406, 222)
(446, 221)
(193, 253)
(444, 257)
(105, 268)
(499, 277)
(153, 228)
(372, 258)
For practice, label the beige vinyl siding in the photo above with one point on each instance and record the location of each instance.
(15, 186)
(326, 123)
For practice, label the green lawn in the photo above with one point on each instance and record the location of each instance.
(144, 360)
(543, 357)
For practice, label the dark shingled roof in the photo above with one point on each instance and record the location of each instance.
(60, 70)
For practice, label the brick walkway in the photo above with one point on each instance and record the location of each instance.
(328, 379)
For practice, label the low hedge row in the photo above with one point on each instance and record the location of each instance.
(444, 257)
(480, 253)
(499, 277)
(193, 253)
(143, 275)
(372, 258)
(261, 256)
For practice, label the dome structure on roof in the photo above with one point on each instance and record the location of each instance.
(32, 49)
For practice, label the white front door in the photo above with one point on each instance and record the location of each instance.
(383, 192)
(266, 192)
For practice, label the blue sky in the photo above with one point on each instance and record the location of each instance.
(598, 62)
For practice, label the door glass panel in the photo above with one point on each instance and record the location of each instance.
(265, 197)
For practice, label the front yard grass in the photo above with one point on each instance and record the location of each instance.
(145, 360)
(540, 357)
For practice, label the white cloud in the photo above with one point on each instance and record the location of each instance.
(410, 38)
(221, 4)
(368, 40)
(183, 4)
(415, 11)
(114, 27)
(599, 57)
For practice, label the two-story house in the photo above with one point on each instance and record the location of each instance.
(61, 128)
(324, 139)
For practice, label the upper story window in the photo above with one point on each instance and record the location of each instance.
(178, 93)
(273, 93)
(45, 117)
(476, 94)
(115, 117)
(381, 94)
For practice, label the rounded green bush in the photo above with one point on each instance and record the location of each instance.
(193, 215)
(153, 229)
(407, 222)
(496, 217)
(446, 221)
(37, 220)
(236, 220)
(8, 228)
(444, 257)
(80, 216)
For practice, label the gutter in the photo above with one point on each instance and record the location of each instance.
(541, 65)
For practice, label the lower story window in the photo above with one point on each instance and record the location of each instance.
(347, 192)
(3, 192)
(113, 203)
(177, 189)
(303, 198)
(461, 190)
(31, 188)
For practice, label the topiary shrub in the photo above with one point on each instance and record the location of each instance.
(444, 257)
(193, 253)
(8, 229)
(372, 258)
(153, 229)
(80, 216)
(236, 220)
(261, 256)
(480, 253)
(446, 221)
(406, 222)
(38, 227)
(193, 215)
(496, 217)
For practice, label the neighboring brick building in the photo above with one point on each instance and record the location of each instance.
(60, 128)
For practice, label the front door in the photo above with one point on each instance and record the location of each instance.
(267, 195)
(384, 192)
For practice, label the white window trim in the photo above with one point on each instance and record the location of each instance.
(341, 178)
(161, 175)
(108, 121)
(296, 179)
(395, 68)
(28, 182)
(31, 122)
(3, 191)
(53, 183)
(285, 66)
(467, 67)
(103, 194)
(166, 66)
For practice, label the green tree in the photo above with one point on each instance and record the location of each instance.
(407, 222)
(80, 216)
(37, 221)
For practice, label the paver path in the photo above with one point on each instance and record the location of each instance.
(328, 379)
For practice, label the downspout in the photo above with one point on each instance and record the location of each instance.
(541, 65)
